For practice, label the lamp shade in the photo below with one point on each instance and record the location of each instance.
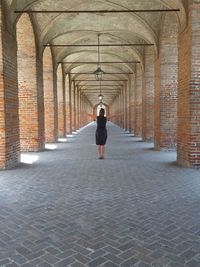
(99, 74)
(100, 97)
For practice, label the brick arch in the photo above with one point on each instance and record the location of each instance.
(50, 104)
(166, 77)
(31, 108)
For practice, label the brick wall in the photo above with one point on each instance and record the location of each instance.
(188, 147)
(30, 84)
(9, 122)
(167, 93)
(49, 97)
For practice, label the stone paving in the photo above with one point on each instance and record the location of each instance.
(68, 208)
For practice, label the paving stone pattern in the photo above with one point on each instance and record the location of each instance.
(135, 208)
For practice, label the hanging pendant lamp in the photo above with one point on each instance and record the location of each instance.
(99, 72)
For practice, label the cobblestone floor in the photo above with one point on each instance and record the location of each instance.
(68, 208)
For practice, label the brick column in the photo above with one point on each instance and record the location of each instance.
(138, 102)
(72, 107)
(68, 105)
(60, 95)
(75, 107)
(9, 123)
(188, 145)
(117, 111)
(50, 98)
(166, 89)
(64, 99)
(78, 108)
(123, 108)
(144, 107)
(30, 84)
(148, 95)
(132, 104)
(128, 104)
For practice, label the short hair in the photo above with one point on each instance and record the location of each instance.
(102, 112)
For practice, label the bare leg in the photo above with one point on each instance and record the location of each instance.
(103, 151)
(99, 151)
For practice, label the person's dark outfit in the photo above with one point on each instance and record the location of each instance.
(101, 131)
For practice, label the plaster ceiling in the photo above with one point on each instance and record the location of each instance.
(83, 28)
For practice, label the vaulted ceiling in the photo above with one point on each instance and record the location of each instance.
(83, 28)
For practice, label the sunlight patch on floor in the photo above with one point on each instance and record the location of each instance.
(50, 146)
(29, 159)
(63, 140)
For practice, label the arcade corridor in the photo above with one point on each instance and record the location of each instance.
(61, 61)
(135, 208)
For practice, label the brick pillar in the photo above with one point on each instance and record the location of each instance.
(128, 103)
(132, 104)
(9, 123)
(30, 84)
(125, 107)
(116, 111)
(188, 145)
(60, 96)
(64, 99)
(84, 110)
(75, 106)
(72, 107)
(49, 98)
(121, 109)
(78, 108)
(144, 107)
(166, 89)
(68, 104)
(149, 94)
(138, 102)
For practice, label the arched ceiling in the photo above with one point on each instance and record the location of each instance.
(83, 28)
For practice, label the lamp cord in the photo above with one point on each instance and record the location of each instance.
(98, 50)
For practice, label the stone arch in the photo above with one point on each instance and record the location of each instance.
(49, 97)
(31, 108)
(166, 83)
